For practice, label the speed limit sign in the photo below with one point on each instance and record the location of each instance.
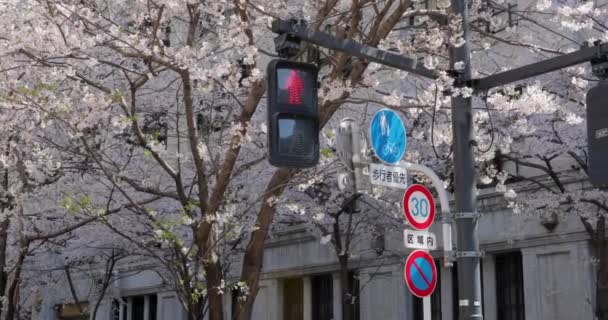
(419, 207)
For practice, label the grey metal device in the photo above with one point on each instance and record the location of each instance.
(293, 114)
(352, 151)
(344, 142)
(597, 133)
(344, 148)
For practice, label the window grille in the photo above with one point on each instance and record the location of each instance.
(322, 297)
(509, 286)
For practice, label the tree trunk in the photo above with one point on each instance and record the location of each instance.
(196, 309)
(254, 254)
(191, 306)
(73, 289)
(200, 306)
(110, 264)
(4, 225)
(215, 292)
(601, 248)
(13, 291)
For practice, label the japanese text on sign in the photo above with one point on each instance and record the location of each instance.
(419, 240)
(388, 176)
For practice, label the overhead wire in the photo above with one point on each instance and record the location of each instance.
(433, 130)
(347, 11)
(492, 131)
(536, 23)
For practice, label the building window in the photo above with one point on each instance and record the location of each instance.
(322, 297)
(142, 307)
(73, 311)
(234, 302)
(354, 301)
(436, 295)
(293, 299)
(118, 309)
(138, 308)
(509, 286)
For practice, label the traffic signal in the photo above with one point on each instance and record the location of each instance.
(293, 114)
(597, 133)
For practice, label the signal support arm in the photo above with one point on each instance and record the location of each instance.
(298, 29)
(596, 54)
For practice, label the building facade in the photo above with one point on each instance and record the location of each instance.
(533, 268)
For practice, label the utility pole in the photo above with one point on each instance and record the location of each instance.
(466, 216)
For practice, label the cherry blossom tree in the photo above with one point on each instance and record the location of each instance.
(157, 104)
(132, 87)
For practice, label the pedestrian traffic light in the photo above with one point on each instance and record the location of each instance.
(293, 114)
(597, 133)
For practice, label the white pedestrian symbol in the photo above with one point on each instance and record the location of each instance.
(384, 127)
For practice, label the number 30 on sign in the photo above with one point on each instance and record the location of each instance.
(418, 207)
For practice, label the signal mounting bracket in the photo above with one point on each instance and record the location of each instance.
(599, 64)
(288, 45)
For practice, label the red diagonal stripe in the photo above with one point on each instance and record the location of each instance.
(421, 273)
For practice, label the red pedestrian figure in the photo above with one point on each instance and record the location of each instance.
(295, 87)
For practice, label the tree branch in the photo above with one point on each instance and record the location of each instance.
(72, 289)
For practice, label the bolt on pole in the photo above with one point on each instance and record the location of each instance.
(468, 257)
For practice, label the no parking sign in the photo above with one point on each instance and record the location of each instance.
(420, 273)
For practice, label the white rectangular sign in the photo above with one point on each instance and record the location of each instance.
(388, 176)
(419, 239)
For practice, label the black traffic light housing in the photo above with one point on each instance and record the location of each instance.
(293, 114)
(597, 133)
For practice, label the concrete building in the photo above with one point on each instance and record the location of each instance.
(529, 271)
(534, 268)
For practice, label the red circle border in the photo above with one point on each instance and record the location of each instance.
(408, 281)
(406, 211)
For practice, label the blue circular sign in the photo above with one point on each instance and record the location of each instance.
(420, 273)
(388, 136)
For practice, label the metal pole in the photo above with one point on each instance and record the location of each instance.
(469, 284)
(426, 308)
